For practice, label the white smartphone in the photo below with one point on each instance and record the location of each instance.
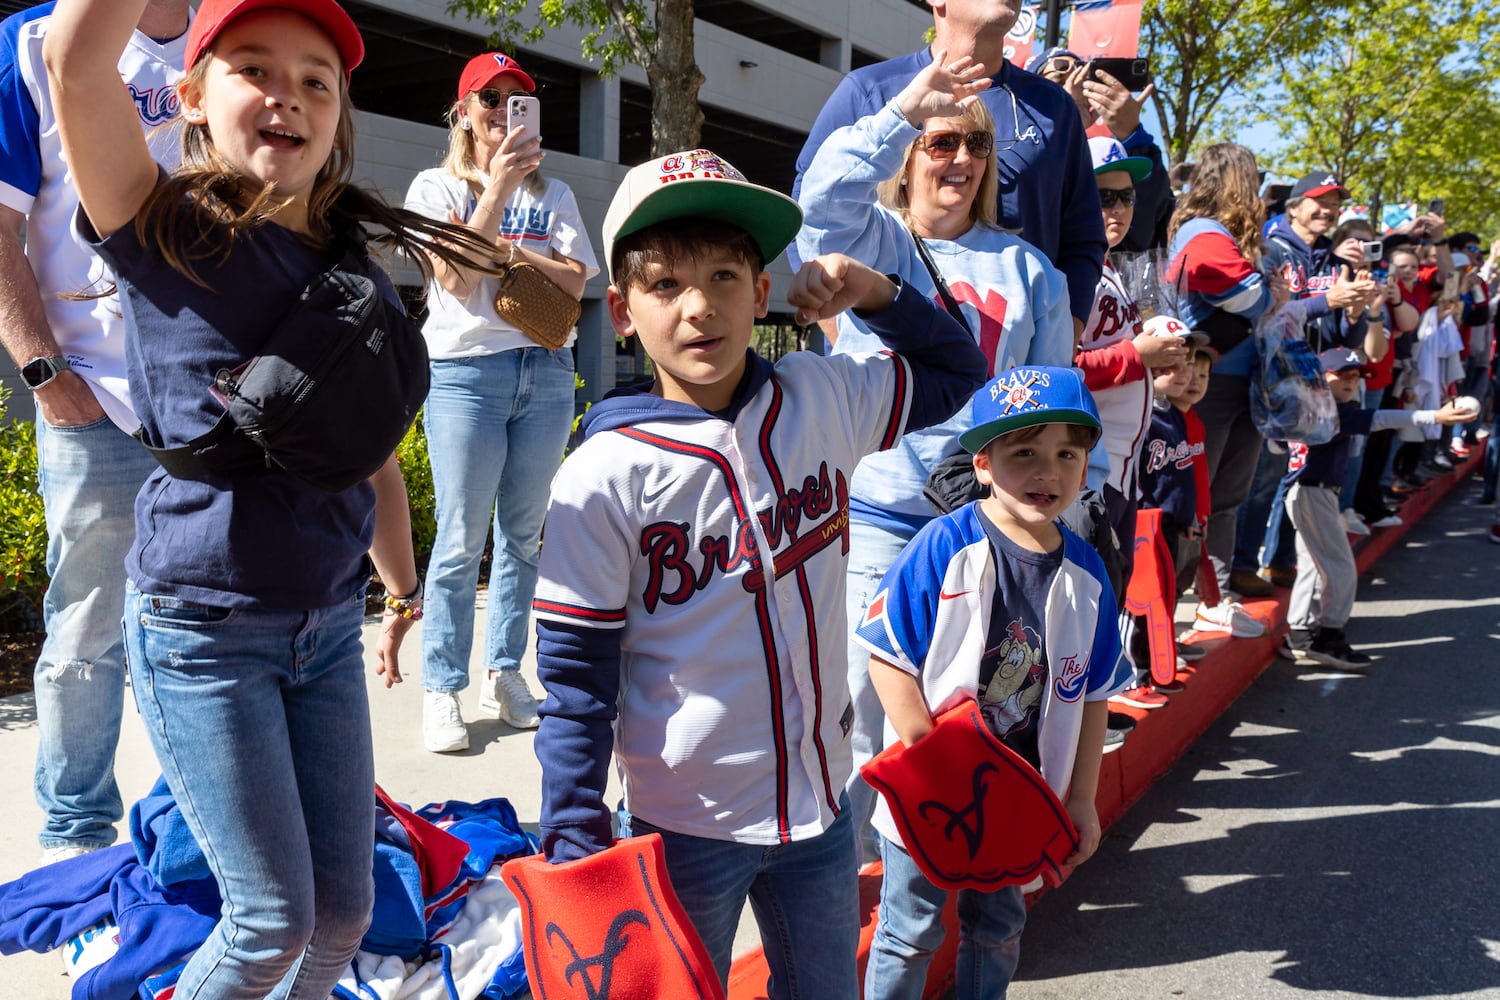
(524, 112)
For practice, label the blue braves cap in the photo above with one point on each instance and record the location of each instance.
(1340, 359)
(1022, 397)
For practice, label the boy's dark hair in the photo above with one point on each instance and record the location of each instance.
(1462, 239)
(1078, 434)
(675, 240)
(1203, 354)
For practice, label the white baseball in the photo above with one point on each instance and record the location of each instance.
(1466, 404)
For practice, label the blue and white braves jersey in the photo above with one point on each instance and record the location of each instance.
(719, 548)
(34, 181)
(540, 223)
(931, 617)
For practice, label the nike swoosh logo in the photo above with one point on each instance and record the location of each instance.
(648, 497)
(943, 595)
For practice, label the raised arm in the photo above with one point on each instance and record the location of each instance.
(101, 133)
(838, 191)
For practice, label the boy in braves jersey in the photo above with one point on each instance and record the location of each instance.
(999, 602)
(691, 597)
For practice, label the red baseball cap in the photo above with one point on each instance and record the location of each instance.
(214, 15)
(484, 68)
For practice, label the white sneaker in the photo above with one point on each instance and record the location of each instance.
(443, 729)
(506, 697)
(1389, 521)
(1227, 616)
(52, 855)
(1354, 524)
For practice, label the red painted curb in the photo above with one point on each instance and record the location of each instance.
(1160, 737)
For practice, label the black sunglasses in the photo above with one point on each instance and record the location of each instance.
(944, 145)
(489, 98)
(1110, 197)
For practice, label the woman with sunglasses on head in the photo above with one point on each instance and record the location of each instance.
(501, 406)
(918, 178)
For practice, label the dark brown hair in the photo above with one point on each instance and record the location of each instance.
(676, 240)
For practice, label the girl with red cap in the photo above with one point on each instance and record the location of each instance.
(246, 585)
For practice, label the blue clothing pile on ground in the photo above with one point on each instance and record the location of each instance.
(128, 917)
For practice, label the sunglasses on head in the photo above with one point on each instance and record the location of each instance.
(489, 98)
(1110, 197)
(944, 145)
(1062, 64)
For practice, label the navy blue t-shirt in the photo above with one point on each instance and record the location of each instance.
(259, 541)
(1013, 669)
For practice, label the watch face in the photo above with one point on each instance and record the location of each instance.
(38, 372)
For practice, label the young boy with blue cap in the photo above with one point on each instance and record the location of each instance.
(997, 602)
(1323, 594)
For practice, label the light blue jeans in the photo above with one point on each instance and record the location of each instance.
(805, 897)
(910, 930)
(871, 551)
(89, 477)
(496, 429)
(261, 724)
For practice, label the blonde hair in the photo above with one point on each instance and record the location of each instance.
(459, 159)
(230, 203)
(1226, 188)
(983, 210)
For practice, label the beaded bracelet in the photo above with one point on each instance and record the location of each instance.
(405, 607)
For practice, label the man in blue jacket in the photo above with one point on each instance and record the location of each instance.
(1047, 188)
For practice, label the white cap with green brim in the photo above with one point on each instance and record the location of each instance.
(699, 184)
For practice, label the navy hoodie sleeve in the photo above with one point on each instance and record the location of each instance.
(1081, 243)
(579, 668)
(946, 365)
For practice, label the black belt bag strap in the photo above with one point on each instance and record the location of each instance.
(328, 398)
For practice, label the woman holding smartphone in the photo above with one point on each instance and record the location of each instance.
(501, 406)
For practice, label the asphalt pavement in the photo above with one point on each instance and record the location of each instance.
(1333, 834)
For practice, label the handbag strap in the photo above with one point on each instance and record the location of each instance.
(949, 302)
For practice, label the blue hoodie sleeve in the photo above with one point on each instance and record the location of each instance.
(946, 365)
(580, 669)
(849, 102)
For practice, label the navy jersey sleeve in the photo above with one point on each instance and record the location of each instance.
(580, 669)
(946, 365)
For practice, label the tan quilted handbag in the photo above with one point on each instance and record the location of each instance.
(535, 304)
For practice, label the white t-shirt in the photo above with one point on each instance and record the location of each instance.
(469, 327)
(34, 181)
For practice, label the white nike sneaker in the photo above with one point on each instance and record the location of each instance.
(443, 729)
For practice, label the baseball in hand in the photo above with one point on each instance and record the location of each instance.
(1466, 404)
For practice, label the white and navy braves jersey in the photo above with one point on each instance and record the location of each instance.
(34, 181)
(692, 582)
(1119, 382)
(931, 617)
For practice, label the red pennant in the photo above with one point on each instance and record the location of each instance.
(1152, 593)
(971, 811)
(1102, 28)
(609, 927)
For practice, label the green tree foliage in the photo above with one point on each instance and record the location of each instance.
(656, 37)
(23, 528)
(1396, 99)
(1203, 51)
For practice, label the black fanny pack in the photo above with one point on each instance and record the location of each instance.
(331, 393)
